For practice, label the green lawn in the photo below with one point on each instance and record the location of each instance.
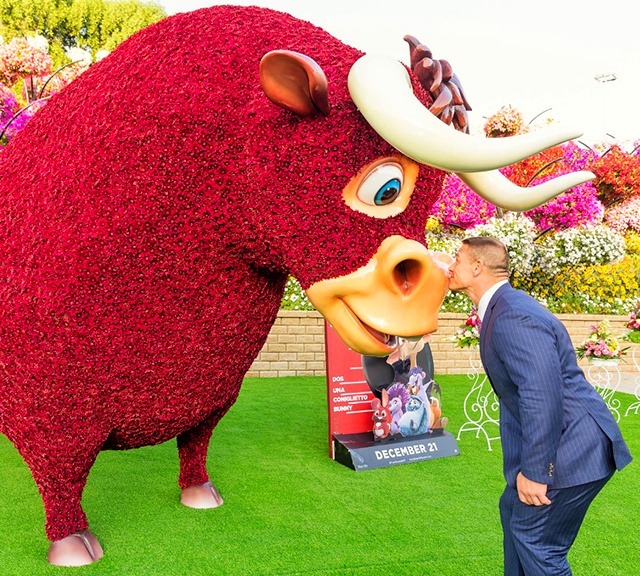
(290, 510)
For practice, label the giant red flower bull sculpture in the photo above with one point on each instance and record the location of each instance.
(153, 210)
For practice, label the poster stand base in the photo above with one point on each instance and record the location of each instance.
(361, 452)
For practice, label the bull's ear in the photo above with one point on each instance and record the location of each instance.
(294, 82)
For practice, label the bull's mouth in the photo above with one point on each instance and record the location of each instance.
(387, 339)
(381, 342)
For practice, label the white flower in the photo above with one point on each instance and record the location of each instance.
(39, 43)
(588, 245)
(83, 57)
(516, 232)
(100, 54)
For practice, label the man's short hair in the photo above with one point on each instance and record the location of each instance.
(491, 251)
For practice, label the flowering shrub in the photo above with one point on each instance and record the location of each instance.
(20, 121)
(442, 240)
(82, 57)
(22, 58)
(601, 343)
(588, 245)
(61, 78)
(585, 289)
(576, 207)
(467, 335)
(633, 334)
(295, 297)
(625, 215)
(507, 121)
(579, 206)
(8, 105)
(541, 164)
(618, 174)
(632, 241)
(79, 62)
(517, 233)
(461, 206)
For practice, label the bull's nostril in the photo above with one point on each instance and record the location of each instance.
(406, 275)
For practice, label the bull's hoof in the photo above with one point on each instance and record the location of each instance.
(79, 549)
(201, 496)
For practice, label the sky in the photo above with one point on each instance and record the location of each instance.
(533, 56)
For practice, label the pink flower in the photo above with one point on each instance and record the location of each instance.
(20, 59)
(461, 206)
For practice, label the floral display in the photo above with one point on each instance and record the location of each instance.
(148, 238)
(17, 123)
(467, 335)
(8, 105)
(294, 297)
(625, 215)
(22, 58)
(618, 174)
(516, 232)
(585, 288)
(579, 206)
(507, 121)
(633, 333)
(80, 56)
(460, 206)
(601, 344)
(588, 245)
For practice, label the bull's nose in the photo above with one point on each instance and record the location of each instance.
(406, 275)
(398, 292)
(405, 265)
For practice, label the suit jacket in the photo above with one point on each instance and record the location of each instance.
(555, 428)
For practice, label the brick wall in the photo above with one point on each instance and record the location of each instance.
(295, 345)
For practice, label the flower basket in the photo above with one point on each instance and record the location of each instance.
(601, 346)
(467, 335)
(604, 362)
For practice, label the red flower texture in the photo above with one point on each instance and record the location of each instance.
(152, 213)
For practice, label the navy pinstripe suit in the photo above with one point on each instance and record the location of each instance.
(555, 429)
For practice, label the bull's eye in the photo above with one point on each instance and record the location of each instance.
(382, 185)
(382, 188)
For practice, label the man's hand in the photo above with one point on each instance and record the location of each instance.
(530, 492)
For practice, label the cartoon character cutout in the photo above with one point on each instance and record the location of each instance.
(382, 417)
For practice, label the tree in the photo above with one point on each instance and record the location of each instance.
(92, 25)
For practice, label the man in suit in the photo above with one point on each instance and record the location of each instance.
(560, 442)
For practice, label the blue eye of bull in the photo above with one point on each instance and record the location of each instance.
(388, 193)
(382, 185)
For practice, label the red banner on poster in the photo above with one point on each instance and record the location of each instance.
(349, 395)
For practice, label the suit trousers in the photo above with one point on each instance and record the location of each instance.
(537, 538)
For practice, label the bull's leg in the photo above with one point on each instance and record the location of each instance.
(60, 471)
(72, 544)
(197, 490)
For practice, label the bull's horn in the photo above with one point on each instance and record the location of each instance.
(381, 89)
(494, 187)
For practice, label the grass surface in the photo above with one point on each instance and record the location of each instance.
(290, 510)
